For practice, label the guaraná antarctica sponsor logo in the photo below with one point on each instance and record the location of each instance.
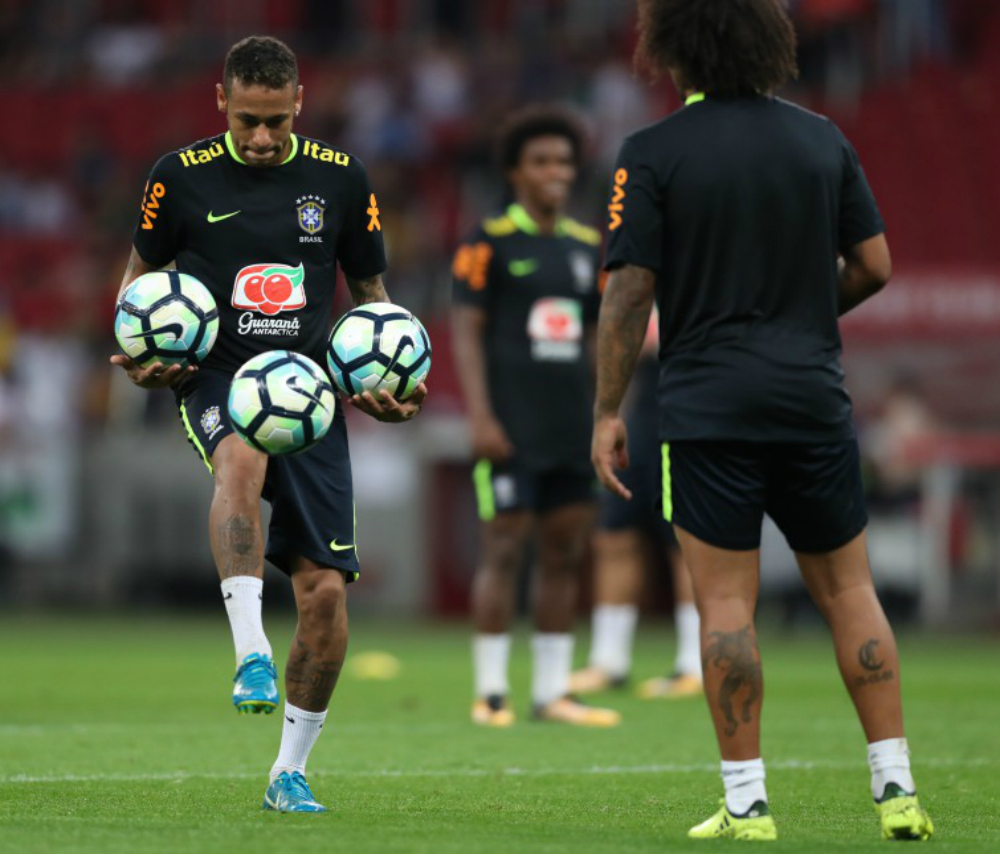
(555, 328)
(269, 288)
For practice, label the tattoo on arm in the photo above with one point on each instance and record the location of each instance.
(621, 329)
(239, 547)
(736, 655)
(368, 290)
(872, 664)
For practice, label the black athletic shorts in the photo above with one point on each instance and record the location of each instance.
(719, 491)
(507, 488)
(311, 494)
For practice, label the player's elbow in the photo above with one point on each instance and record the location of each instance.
(872, 263)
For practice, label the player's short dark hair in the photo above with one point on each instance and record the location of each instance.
(532, 122)
(260, 61)
(718, 46)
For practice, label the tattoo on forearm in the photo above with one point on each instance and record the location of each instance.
(621, 329)
(737, 656)
(367, 291)
(239, 547)
(872, 664)
(310, 678)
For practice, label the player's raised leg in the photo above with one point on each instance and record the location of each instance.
(504, 538)
(725, 589)
(618, 569)
(563, 533)
(238, 549)
(314, 664)
(840, 583)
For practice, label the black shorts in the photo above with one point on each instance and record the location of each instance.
(719, 491)
(311, 493)
(508, 488)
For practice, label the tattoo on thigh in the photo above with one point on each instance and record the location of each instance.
(310, 679)
(737, 656)
(872, 663)
(240, 547)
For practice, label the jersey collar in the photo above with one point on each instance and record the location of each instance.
(236, 156)
(694, 98)
(526, 223)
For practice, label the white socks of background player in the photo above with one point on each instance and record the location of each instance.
(490, 656)
(614, 633)
(688, 627)
(744, 782)
(300, 732)
(243, 596)
(552, 662)
(889, 762)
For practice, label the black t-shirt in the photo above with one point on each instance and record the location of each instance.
(740, 206)
(540, 294)
(264, 240)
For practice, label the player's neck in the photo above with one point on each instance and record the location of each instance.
(545, 219)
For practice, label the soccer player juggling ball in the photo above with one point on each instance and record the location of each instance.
(221, 209)
(733, 212)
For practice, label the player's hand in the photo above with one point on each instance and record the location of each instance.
(155, 376)
(609, 452)
(386, 409)
(490, 441)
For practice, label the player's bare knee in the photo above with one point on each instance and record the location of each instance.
(319, 597)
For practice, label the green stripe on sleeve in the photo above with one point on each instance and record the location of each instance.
(194, 438)
(668, 495)
(482, 478)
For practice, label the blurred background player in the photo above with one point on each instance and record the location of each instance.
(525, 303)
(620, 558)
(213, 209)
(734, 211)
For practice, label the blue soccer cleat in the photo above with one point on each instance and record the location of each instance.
(254, 686)
(291, 793)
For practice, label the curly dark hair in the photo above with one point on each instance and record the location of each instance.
(532, 122)
(718, 46)
(260, 61)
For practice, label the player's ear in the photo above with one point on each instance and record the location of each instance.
(298, 100)
(220, 97)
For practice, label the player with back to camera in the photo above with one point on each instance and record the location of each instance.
(222, 209)
(525, 302)
(619, 559)
(733, 212)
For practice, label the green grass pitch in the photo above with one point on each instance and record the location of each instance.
(118, 735)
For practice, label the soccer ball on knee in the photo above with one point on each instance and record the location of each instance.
(281, 402)
(166, 316)
(379, 346)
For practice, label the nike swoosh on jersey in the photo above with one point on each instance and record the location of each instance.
(522, 267)
(213, 219)
(337, 546)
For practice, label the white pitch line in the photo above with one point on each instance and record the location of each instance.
(596, 770)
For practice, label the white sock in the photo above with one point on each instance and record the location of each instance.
(744, 782)
(300, 732)
(243, 596)
(552, 662)
(614, 633)
(490, 655)
(889, 761)
(688, 626)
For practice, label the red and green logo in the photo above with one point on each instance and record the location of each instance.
(270, 288)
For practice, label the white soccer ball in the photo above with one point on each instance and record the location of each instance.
(166, 316)
(379, 346)
(281, 402)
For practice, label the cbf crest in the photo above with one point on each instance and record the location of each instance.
(310, 209)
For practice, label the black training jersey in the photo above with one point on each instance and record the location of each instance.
(740, 206)
(540, 293)
(266, 241)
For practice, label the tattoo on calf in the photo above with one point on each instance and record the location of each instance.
(240, 547)
(872, 664)
(310, 679)
(736, 655)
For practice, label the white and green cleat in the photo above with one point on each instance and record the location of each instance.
(901, 816)
(756, 825)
